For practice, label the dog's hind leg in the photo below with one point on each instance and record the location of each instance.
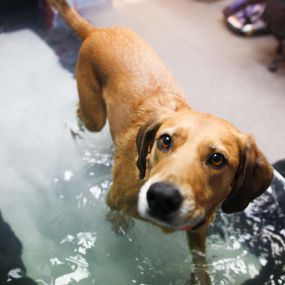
(91, 109)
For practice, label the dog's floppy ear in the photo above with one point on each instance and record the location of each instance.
(144, 141)
(253, 177)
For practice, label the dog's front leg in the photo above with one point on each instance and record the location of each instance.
(123, 207)
(197, 245)
(120, 222)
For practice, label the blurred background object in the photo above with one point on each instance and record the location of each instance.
(274, 16)
(259, 17)
(244, 17)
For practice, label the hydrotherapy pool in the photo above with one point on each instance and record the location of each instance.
(58, 213)
(53, 185)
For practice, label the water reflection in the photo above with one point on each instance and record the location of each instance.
(77, 243)
(247, 248)
(255, 239)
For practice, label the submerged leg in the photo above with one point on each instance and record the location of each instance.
(120, 222)
(197, 244)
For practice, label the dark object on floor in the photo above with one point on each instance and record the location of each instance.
(255, 17)
(15, 6)
(280, 166)
(12, 268)
(244, 17)
(274, 16)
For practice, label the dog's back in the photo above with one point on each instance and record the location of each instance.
(117, 61)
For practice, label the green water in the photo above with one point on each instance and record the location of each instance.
(54, 200)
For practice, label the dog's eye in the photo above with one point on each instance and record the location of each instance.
(164, 142)
(216, 160)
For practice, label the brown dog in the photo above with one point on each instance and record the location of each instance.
(173, 166)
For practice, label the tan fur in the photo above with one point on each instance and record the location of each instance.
(120, 77)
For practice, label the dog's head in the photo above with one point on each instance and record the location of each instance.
(192, 163)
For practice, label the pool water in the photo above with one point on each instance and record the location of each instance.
(54, 180)
(59, 215)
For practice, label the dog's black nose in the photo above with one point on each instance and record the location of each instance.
(163, 199)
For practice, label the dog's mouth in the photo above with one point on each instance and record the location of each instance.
(173, 224)
(192, 227)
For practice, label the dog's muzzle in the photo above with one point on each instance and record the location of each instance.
(163, 204)
(163, 199)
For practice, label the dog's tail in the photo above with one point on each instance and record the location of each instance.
(82, 27)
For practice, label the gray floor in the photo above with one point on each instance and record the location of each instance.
(221, 73)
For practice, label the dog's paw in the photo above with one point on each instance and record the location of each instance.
(75, 130)
(80, 125)
(80, 120)
(200, 276)
(120, 222)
